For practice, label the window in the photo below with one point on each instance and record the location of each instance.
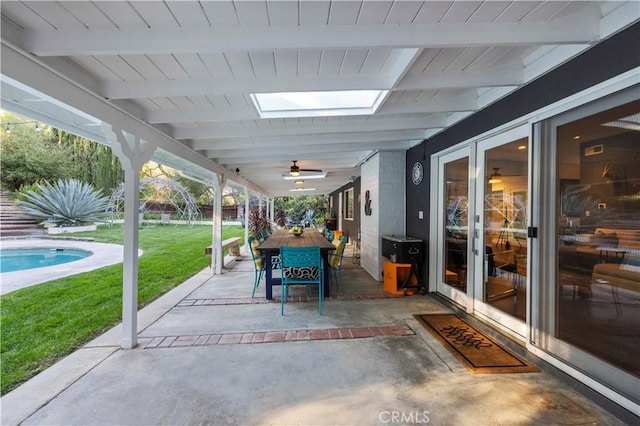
(348, 203)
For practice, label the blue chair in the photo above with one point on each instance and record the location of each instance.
(301, 266)
(258, 263)
(335, 260)
(329, 235)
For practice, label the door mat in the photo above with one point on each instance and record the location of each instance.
(478, 352)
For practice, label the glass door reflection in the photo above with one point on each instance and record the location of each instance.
(504, 240)
(456, 223)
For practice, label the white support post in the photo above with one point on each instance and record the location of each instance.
(246, 220)
(130, 266)
(217, 262)
(271, 215)
(133, 153)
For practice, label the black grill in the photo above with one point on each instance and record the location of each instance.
(402, 249)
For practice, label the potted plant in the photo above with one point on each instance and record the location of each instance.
(258, 222)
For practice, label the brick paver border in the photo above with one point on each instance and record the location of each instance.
(280, 336)
(294, 299)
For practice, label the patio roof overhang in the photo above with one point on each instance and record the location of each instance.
(182, 74)
(173, 81)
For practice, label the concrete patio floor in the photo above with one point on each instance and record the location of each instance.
(209, 354)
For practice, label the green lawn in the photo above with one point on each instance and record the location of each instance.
(46, 322)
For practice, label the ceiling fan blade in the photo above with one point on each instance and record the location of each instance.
(311, 170)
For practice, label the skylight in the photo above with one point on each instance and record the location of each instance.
(316, 104)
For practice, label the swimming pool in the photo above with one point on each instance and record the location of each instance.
(20, 259)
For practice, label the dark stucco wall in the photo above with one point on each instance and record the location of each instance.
(350, 227)
(606, 60)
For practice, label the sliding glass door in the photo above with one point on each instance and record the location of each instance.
(481, 259)
(500, 239)
(591, 314)
(453, 226)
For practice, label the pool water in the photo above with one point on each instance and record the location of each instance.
(29, 258)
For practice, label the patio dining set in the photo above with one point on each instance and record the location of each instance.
(308, 258)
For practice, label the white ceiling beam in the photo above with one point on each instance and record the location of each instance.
(200, 115)
(285, 129)
(194, 115)
(222, 86)
(509, 76)
(269, 142)
(307, 151)
(232, 162)
(77, 42)
(277, 172)
(467, 102)
(306, 163)
(432, 80)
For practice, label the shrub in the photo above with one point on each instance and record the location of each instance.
(65, 203)
(258, 222)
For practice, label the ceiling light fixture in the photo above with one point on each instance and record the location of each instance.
(521, 147)
(316, 176)
(299, 182)
(495, 177)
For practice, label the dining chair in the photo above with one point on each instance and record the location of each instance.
(258, 263)
(329, 235)
(335, 260)
(301, 266)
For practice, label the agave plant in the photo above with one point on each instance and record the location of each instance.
(65, 203)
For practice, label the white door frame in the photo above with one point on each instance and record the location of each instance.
(437, 261)
(504, 321)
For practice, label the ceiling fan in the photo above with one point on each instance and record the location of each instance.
(295, 169)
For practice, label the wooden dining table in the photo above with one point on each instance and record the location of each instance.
(283, 238)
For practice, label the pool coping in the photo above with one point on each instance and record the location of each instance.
(103, 255)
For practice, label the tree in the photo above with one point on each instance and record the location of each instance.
(31, 155)
(301, 207)
(95, 163)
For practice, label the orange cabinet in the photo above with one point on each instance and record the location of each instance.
(395, 275)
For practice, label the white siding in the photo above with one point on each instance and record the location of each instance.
(383, 175)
